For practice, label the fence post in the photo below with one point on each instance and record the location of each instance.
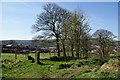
(37, 57)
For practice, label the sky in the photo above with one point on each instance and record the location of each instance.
(18, 17)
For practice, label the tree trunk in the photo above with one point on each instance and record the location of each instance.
(100, 52)
(16, 52)
(64, 50)
(72, 52)
(58, 47)
(77, 52)
(77, 49)
(50, 54)
(103, 51)
(37, 57)
(15, 56)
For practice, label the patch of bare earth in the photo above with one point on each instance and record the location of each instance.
(76, 71)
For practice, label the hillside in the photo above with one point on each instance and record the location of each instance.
(23, 42)
(90, 68)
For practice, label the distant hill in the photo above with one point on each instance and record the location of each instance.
(23, 42)
(28, 42)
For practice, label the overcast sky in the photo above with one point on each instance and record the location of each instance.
(18, 17)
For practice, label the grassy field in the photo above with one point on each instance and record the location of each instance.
(10, 56)
(90, 68)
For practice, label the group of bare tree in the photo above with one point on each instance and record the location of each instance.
(70, 30)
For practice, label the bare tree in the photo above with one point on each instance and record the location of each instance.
(50, 22)
(105, 41)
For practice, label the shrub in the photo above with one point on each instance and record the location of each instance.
(98, 61)
(55, 58)
(79, 64)
(62, 66)
(31, 58)
(62, 58)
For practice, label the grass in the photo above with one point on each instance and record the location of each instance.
(107, 70)
(91, 68)
(10, 56)
(26, 69)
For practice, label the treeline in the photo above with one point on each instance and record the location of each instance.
(71, 32)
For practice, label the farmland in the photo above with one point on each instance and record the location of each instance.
(90, 68)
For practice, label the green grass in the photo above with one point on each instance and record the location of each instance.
(10, 56)
(26, 69)
(107, 70)
(23, 68)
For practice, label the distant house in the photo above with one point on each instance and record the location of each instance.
(48, 49)
(7, 48)
(52, 49)
(10, 48)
